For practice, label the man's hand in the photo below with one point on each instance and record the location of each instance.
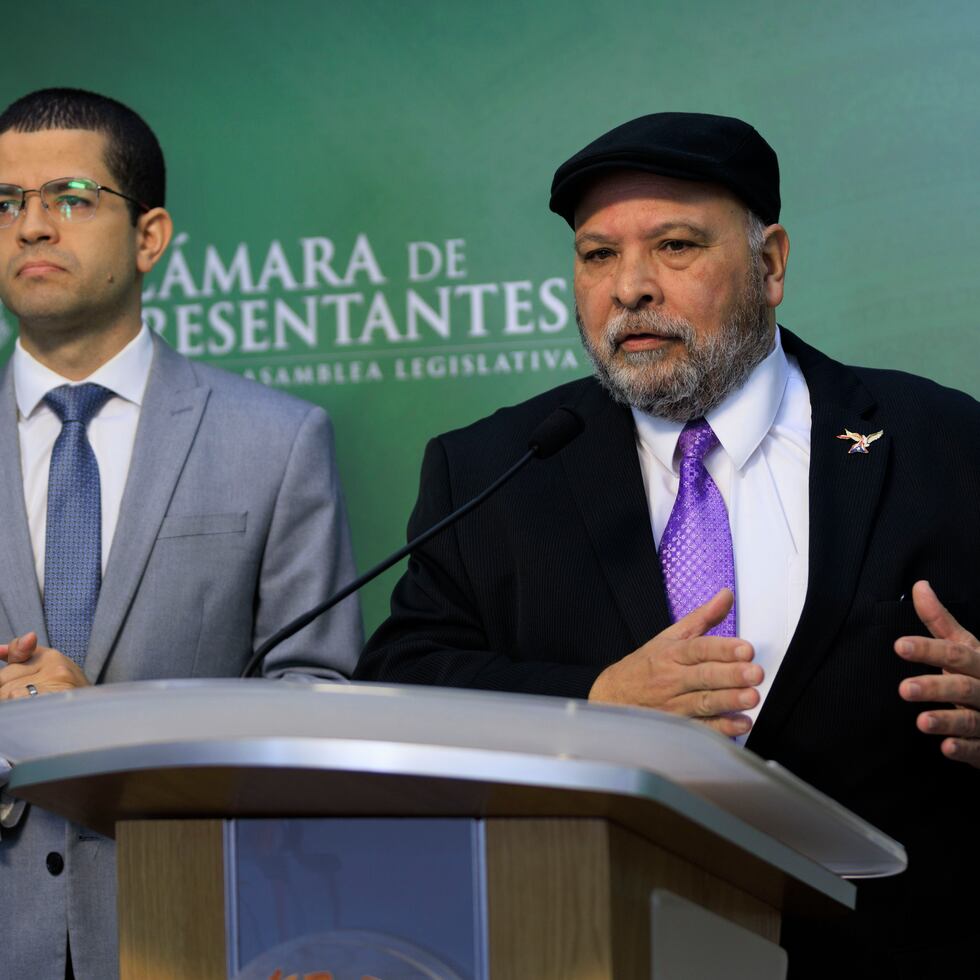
(45, 668)
(687, 673)
(957, 652)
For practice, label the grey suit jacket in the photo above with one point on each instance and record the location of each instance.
(232, 523)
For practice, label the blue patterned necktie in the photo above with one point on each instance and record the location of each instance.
(696, 549)
(73, 540)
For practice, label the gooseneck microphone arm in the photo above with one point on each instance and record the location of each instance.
(552, 435)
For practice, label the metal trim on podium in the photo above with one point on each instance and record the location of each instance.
(659, 800)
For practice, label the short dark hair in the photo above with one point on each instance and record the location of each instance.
(133, 155)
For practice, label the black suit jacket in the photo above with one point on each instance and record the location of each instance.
(557, 576)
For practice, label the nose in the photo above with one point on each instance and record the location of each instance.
(635, 285)
(35, 223)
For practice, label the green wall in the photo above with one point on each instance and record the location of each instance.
(381, 123)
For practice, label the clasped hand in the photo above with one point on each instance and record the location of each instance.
(44, 667)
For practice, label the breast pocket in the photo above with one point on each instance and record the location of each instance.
(191, 525)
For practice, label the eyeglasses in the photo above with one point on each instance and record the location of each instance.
(69, 199)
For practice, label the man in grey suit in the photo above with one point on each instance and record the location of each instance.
(216, 507)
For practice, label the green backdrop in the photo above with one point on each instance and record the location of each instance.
(310, 144)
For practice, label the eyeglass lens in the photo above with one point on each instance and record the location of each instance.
(67, 198)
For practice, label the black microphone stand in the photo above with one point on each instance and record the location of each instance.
(559, 428)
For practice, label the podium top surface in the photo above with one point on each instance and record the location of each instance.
(485, 737)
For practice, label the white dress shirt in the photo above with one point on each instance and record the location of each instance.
(762, 468)
(112, 433)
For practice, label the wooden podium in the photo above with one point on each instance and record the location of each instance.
(561, 819)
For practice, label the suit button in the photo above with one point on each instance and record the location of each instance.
(55, 863)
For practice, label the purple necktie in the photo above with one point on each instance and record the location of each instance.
(696, 549)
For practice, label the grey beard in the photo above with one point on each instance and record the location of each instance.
(688, 387)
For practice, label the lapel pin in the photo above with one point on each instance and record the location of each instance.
(861, 442)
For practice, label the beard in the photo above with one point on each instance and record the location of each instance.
(676, 385)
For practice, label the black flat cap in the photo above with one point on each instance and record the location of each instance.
(688, 145)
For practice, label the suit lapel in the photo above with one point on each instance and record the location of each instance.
(19, 592)
(844, 491)
(169, 419)
(603, 470)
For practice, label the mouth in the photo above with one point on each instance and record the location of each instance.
(38, 269)
(645, 341)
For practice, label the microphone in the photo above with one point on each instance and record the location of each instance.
(549, 437)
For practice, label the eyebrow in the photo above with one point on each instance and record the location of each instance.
(655, 232)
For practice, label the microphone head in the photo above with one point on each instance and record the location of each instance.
(555, 432)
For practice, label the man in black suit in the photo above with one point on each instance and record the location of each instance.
(847, 490)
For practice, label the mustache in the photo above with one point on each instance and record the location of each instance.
(631, 322)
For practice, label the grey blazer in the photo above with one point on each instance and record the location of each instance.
(232, 522)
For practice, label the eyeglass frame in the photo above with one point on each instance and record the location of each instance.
(24, 191)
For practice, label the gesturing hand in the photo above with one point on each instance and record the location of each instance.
(687, 673)
(957, 652)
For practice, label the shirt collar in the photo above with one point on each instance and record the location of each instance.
(125, 374)
(741, 421)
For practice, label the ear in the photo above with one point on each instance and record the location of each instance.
(775, 255)
(153, 233)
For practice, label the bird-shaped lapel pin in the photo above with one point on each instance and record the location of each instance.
(861, 442)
